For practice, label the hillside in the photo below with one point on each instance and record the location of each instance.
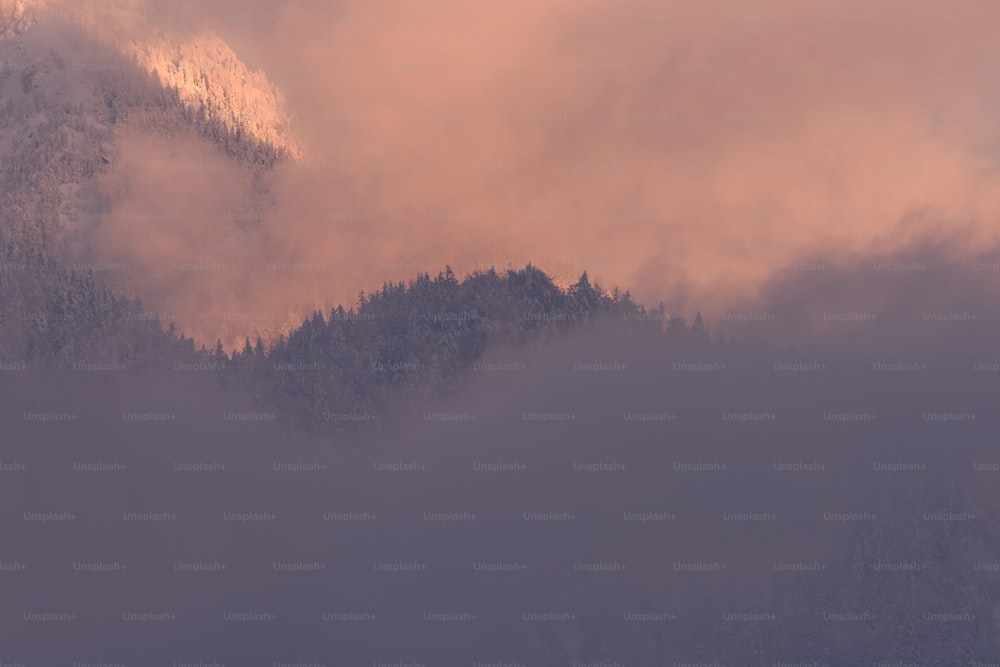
(76, 76)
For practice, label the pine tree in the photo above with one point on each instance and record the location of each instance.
(586, 297)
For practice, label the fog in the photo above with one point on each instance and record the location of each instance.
(839, 480)
(816, 485)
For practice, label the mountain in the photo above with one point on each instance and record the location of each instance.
(78, 81)
(76, 76)
(416, 338)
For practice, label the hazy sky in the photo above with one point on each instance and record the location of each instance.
(685, 151)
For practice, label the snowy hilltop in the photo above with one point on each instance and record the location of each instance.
(74, 76)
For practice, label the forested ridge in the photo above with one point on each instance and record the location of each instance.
(415, 338)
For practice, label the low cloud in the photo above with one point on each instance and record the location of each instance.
(686, 153)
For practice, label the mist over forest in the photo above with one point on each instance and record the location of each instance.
(497, 470)
(585, 335)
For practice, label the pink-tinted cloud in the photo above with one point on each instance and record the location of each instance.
(685, 151)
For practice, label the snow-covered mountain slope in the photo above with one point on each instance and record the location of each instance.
(204, 70)
(75, 76)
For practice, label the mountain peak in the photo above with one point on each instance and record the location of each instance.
(207, 74)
